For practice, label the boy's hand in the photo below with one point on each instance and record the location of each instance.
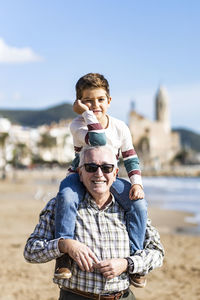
(79, 107)
(136, 192)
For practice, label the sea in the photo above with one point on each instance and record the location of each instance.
(175, 193)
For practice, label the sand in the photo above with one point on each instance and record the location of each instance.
(22, 199)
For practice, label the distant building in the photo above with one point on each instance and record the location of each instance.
(4, 135)
(21, 145)
(154, 141)
(63, 149)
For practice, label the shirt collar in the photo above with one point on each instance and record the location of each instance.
(91, 202)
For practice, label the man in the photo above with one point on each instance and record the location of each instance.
(100, 253)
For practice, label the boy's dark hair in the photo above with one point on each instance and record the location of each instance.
(91, 81)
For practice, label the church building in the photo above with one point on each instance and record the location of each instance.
(154, 141)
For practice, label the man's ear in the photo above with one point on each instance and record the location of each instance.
(80, 174)
(115, 173)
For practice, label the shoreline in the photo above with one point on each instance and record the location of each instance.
(172, 221)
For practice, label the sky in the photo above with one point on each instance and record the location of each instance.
(46, 46)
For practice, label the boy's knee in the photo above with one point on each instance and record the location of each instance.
(63, 184)
(140, 205)
(69, 181)
(65, 195)
(121, 186)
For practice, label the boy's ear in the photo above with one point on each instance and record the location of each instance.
(109, 99)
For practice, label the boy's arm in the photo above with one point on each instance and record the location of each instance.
(96, 134)
(136, 192)
(42, 246)
(130, 158)
(87, 130)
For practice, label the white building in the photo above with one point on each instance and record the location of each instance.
(25, 143)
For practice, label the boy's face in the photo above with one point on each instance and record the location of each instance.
(97, 101)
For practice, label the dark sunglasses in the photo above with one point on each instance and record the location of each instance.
(92, 167)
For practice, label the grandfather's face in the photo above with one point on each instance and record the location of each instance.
(98, 183)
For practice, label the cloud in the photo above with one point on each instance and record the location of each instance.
(10, 54)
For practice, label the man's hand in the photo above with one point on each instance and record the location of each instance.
(113, 267)
(82, 254)
(136, 192)
(79, 107)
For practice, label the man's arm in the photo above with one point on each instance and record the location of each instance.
(151, 256)
(144, 261)
(81, 253)
(42, 246)
(113, 267)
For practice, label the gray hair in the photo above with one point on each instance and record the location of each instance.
(104, 148)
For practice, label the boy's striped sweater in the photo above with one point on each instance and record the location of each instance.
(86, 130)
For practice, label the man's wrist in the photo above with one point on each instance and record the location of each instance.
(130, 266)
(62, 245)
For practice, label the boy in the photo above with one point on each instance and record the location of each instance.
(95, 127)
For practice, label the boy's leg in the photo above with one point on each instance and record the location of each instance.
(70, 194)
(136, 218)
(68, 198)
(63, 267)
(136, 213)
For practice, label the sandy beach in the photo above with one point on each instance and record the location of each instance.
(24, 196)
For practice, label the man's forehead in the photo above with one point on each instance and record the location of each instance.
(99, 155)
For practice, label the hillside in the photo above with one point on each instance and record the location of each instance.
(189, 138)
(34, 118)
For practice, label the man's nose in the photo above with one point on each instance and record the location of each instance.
(99, 171)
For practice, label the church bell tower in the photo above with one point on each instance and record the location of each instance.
(162, 108)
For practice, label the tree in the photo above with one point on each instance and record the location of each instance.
(47, 141)
(21, 151)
